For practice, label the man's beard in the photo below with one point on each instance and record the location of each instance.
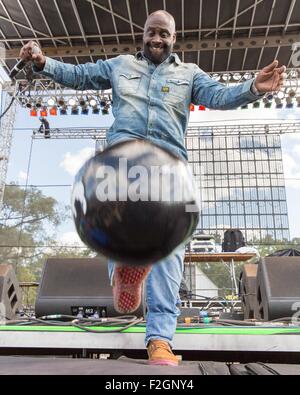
(157, 55)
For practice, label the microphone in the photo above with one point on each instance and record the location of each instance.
(17, 68)
(21, 64)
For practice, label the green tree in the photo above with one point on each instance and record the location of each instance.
(28, 222)
(219, 273)
(268, 245)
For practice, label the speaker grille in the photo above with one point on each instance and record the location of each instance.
(70, 284)
(284, 276)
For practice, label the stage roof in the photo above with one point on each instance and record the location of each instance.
(219, 35)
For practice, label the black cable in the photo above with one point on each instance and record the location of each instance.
(235, 322)
(199, 296)
(87, 329)
(84, 324)
(286, 319)
(8, 108)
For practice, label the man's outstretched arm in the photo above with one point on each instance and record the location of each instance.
(213, 94)
(86, 76)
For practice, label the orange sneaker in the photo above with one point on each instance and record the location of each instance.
(160, 353)
(127, 287)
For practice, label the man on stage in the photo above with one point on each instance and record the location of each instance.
(152, 93)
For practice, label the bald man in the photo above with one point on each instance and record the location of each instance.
(152, 93)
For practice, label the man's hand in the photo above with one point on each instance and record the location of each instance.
(270, 78)
(31, 52)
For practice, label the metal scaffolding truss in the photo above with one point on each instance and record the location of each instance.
(183, 46)
(29, 92)
(219, 35)
(249, 129)
(192, 131)
(73, 134)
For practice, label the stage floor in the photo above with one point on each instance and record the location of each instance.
(206, 338)
(132, 369)
(122, 366)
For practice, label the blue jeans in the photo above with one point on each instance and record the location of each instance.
(162, 296)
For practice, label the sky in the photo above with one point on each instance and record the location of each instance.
(55, 162)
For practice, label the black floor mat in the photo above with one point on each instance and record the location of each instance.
(264, 369)
(122, 366)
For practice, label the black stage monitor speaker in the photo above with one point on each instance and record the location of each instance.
(278, 287)
(10, 293)
(247, 289)
(77, 287)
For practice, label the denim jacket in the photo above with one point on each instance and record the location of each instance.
(151, 102)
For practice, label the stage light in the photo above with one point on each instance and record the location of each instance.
(216, 77)
(267, 102)
(72, 102)
(237, 76)
(61, 101)
(192, 107)
(278, 102)
(44, 112)
(248, 76)
(33, 112)
(280, 95)
(289, 102)
(103, 103)
(226, 77)
(64, 110)
(105, 110)
(292, 93)
(202, 108)
(29, 104)
(53, 111)
(85, 110)
(269, 96)
(82, 102)
(75, 110)
(51, 102)
(245, 107)
(38, 103)
(256, 104)
(96, 110)
(93, 103)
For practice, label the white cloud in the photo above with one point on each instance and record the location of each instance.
(291, 171)
(22, 176)
(71, 163)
